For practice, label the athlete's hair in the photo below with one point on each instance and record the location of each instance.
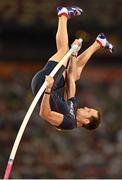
(94, 122)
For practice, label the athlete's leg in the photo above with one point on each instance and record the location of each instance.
(62, 47)
(82, 59)
(62, 35)
(61, 39)
(70, 86)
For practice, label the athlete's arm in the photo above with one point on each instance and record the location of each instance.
(70, 87)
(52, 117)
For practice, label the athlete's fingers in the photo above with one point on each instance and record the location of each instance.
(49, 80)
(77, 42)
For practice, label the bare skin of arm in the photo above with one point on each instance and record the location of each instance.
(52, 117)
(70, 87)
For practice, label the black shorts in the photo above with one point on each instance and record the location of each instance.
(39, 77)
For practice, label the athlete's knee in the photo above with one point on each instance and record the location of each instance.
(62, 45)
(78, 75)
(63, 50)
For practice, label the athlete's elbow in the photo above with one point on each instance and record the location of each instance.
(44, 114)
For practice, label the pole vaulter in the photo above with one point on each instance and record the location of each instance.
(31, 109)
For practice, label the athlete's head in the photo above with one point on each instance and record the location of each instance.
(88, 118)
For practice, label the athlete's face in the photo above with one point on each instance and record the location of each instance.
(85, 114)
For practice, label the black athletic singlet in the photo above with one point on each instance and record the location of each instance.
(67, 108)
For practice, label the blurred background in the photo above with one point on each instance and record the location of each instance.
(27, 40)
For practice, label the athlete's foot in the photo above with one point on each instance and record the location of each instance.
(102, 40)
(69, 11)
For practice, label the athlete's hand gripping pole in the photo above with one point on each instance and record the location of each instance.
(30, 110)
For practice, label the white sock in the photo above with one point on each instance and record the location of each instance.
(63, 10)
(102, 41)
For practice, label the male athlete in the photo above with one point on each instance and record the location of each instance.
(62, 112)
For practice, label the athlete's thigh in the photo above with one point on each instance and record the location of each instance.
(59, 55)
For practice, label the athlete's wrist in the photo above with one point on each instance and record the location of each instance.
(74, 55)
(48, 90)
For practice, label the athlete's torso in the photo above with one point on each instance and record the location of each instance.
(67, 108)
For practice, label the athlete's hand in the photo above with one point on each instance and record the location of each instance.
(50, 81)
(77, 42)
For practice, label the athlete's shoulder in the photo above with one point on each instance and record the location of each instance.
(69, 122)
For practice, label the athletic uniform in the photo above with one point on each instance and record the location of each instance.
(58, 104)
